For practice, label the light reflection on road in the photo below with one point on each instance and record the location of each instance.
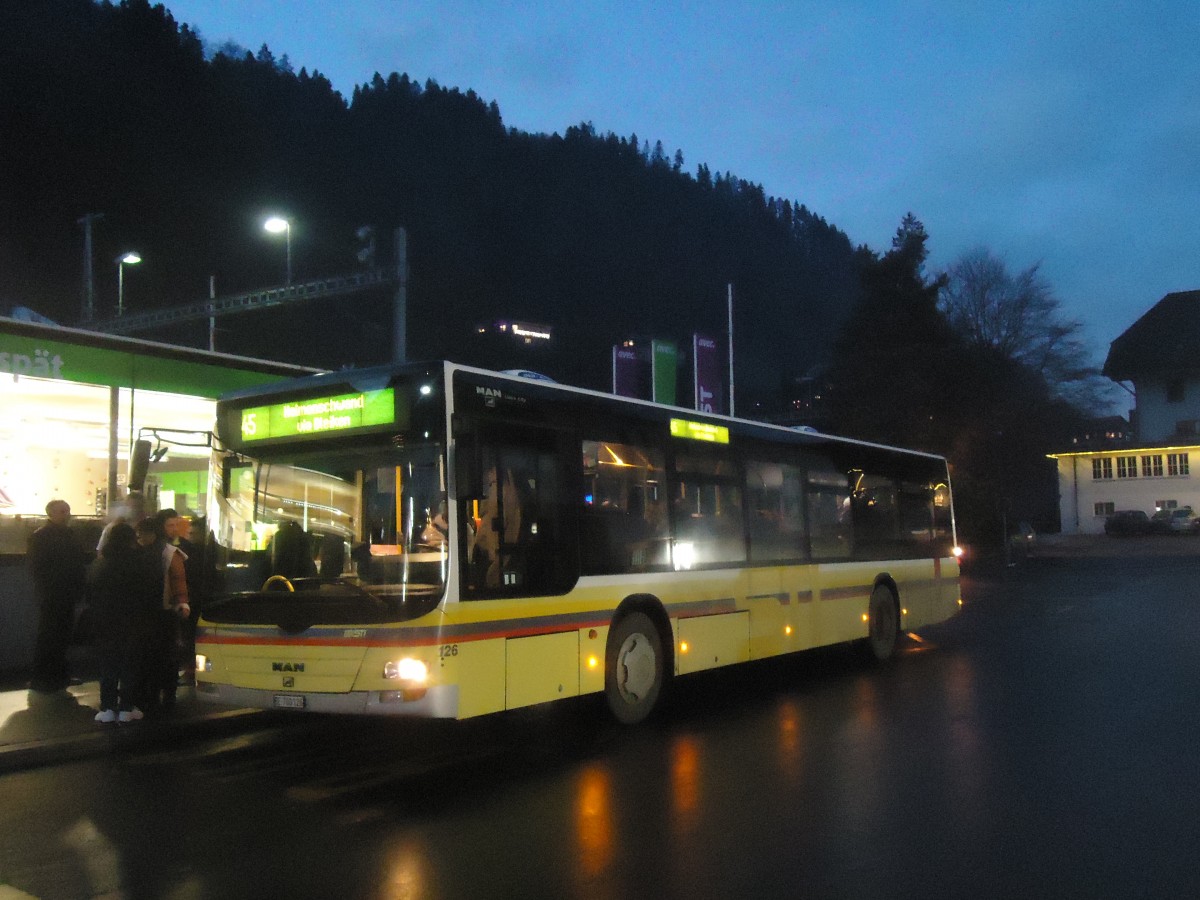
(594, 819)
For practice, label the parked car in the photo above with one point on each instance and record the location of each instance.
(1181, 520)
(1126, 522)
(1172, 521)
(1160, 522)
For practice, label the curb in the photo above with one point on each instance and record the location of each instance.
(118, 739)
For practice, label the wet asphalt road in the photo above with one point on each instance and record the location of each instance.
(1042, 744)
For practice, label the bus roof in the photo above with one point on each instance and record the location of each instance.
(376, 377)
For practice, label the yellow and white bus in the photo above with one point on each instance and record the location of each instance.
(438, 540)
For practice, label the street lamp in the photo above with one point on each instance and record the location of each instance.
(275, 225)
(125, 259)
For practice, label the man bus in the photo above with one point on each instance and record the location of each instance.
(438, 540)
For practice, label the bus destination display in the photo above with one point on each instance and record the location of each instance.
(699, 431)
(319, 415)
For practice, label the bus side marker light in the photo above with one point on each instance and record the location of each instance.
(683, 647)
(593, 662)
(866, 617)
(787, 629)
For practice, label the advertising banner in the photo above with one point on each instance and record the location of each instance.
(662, 361)
(706, 366)
(625, 371)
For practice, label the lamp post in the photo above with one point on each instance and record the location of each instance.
(125, 259)
(275, 225)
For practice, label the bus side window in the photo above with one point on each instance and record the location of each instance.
(776, 520)
(707, 504)
(624, 517)
(830, 521)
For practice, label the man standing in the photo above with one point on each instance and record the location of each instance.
(56, 561)
(162, 659)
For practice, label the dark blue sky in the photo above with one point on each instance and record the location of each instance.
(1058, 132)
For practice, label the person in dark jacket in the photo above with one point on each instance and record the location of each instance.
(162, 665)
(126, 594)
(56, 561)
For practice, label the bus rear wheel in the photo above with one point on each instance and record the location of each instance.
(884, 624)
(634, 669)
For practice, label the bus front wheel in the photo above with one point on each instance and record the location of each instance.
(884, 624)
(634, 668)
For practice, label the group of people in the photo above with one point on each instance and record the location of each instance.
(139, 598)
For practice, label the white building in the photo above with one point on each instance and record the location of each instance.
(1160, 356)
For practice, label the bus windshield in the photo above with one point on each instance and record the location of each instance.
(349, 534)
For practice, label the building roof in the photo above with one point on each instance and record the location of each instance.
(1163, 343)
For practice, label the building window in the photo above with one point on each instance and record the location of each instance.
(1127, 466)
(1177, 464)
(1105, 509)
(1102, 467)
(1175, 391)
(1165, 504)
(1152, 467)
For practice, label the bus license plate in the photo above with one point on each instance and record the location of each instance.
(289, 701)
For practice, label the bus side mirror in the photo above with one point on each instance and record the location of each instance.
(227, 463)
(468, 461)
(139, 465)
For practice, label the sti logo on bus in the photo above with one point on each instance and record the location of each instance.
(287, 667)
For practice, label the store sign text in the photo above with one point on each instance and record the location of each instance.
(40, 365)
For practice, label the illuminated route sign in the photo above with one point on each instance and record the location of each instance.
(319, 415)
(699, 431)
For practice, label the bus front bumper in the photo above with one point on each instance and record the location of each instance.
(438, 702)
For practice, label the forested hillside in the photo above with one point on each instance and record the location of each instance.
(118, 110)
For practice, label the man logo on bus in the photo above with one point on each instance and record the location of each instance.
(287, 667)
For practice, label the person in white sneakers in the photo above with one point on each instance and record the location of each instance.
(125, 590)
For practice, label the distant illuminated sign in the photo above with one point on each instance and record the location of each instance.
(319, 415)
(699, 431)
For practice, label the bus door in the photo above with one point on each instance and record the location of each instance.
(515, 487)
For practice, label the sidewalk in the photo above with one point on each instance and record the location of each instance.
(44, 729)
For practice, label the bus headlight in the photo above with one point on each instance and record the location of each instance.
(407, 669)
